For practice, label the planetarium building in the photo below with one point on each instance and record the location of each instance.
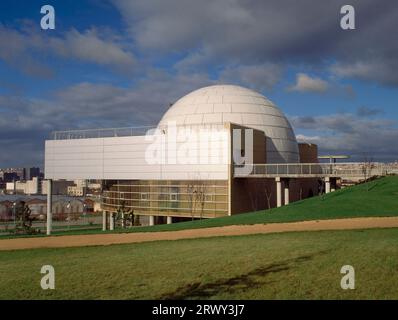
(196, 163)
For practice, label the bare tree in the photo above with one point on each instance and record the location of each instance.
(367, 167)
(268, 197)
(201, 196)
(191, 196)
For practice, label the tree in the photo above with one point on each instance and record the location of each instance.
(124, 216)
(201, 196)
(191, 196)
(23, 219)
(268, 197)
(366, 168)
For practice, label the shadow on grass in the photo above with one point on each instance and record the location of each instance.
(250, 280)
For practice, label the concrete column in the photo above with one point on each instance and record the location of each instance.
(327, 185)
(103, 220)
(123, 220)
(169, 220)
(111, 221)
(49, 206)
(278, 192)
(286, 192)
(151, 220)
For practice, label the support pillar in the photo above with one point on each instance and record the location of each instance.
(327, 185)
(111, 221)
(286, 185)
(278, 192)
(151, 220)
(49, 206)
(169, 220)
(103, 220)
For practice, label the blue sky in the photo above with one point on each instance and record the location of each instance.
(120, 63)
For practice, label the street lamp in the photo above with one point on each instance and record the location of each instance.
(84, 213)
(14, 205)
(68, 207)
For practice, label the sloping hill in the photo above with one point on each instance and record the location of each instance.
(378, 198)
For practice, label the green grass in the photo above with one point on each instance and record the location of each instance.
(381, 200)
(303, 265)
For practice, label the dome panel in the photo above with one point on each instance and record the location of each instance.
(222, 107)
(212, 118)
(231, 117)
(194, 118)
(204, 108)
(216, 98)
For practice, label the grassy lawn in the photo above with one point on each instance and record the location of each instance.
(381, 200)
(275, 266)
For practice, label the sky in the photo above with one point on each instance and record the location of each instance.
(117, 63)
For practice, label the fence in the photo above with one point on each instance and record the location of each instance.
(350, 169)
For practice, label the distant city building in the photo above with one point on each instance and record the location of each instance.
(76, 191)
(10, 176)
(38, 205)
(26, 187)
(32, 173)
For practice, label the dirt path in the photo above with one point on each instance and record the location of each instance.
(119, 238)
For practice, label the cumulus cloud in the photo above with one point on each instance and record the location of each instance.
(28, 48)
(257, 32)
(258, 77)
(379, 70)
(15, 50)
(90, 46)
(368, 112)
(305, 83)
(350, 134)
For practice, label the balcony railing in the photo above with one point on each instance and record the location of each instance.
(122, 132)
(350, 169)
(100, 133)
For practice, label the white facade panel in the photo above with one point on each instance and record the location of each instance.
(127, 158)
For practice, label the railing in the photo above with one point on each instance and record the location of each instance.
(123, 132)
(350, 169)
(100, 133)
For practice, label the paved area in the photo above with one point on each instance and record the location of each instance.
(236, 230)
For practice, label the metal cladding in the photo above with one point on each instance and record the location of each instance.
(235, 104)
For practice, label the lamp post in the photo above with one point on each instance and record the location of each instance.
(14, 205)
(84, 213)
(68, 207)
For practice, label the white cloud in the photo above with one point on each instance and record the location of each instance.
(91, 47)
(258, 77)
(377, 70)
(27, 50)
(305, 83)
(350, 134)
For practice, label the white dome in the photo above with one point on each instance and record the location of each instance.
(229, 103)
